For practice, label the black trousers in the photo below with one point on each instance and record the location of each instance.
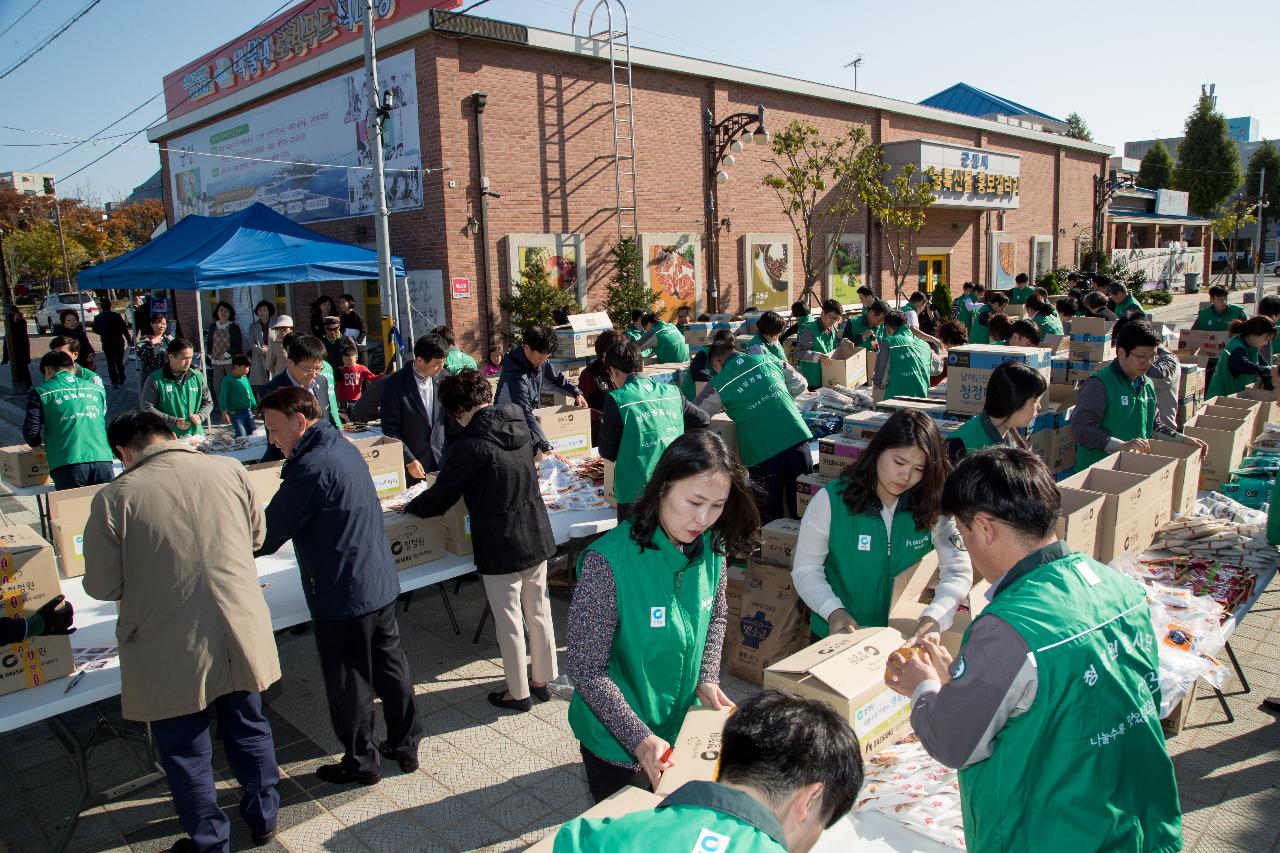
(361, 658)
(115, 365)
(775, 479)
(605, 779)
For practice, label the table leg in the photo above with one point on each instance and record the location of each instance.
(484, 617)
(1222, 700)
(42, 510)
(448, 608)
(73, 746)
(1239, 672)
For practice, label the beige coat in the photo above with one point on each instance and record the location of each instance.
(172, 540)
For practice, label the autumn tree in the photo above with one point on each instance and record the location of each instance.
(1235, 217)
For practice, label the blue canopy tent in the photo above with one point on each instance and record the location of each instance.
(256, 246)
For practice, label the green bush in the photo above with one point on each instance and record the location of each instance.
(536, 300)
(626, 291)
(941, 299)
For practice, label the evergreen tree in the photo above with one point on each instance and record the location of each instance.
(1208, 163)
(536, 299)
(1267, 157)
(626, 291)
(941, 299)
(1156, 171)
(1077, 129)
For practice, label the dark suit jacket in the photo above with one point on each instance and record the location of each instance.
(404, 417)
(283, 381)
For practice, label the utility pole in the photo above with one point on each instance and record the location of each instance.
(1257, 254)
(377, 111)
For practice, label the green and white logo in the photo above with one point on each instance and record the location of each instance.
(958, 669)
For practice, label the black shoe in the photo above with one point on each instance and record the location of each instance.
(407, 765)
(183, 845)
(522, 705)
(542, 694)
(341, 774)
(1271, 703)
(265, 838)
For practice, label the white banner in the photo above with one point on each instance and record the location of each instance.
(1161, 268)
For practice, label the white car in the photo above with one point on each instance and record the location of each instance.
(47, 315)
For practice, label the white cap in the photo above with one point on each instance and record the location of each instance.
(282, 320)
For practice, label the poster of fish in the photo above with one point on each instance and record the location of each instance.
(672, 265)
(766, 264)
(560, 254)
(847, 259)
(1004, 262)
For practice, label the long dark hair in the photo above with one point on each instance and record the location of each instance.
(903, 429)
(1253, 326)
(737, 531)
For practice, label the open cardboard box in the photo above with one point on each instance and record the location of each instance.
(1270, 408)
(1253, 407)
(568, 428)
(1186, 473)
(1123, 523)
(1078, 520)
(1159, 471)
(68, 514)
(849, 371)
(577, 339)
(1226, 440)
(695, 755)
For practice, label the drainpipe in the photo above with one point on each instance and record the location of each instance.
(478, 100)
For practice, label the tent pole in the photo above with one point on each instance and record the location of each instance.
(408, 311)
(204, 362)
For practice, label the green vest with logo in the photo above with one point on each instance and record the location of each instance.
(455, 360)
(664, 604)
(978, 333)
(909, 361)
(974, 434)
(1128, 416)
(773, 348)
(652, 417)
(1020, 295)
(180, 399)
(75, 420)
(1086, 765)
(334, 416)
(1223, 382)
(1050, 324)
(1209, 320)
(635, 335)
(863, 560)
(755, 395)
(857, 325)
(964, 308)
(823, 342)
(671, 345)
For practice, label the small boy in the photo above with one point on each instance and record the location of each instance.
(354, 376)
(235, 397)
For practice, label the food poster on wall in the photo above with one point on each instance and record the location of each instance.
(767, 261)
(847, 258)
(1004, 259)
(306, 155)
(560, 255)
(672, 265)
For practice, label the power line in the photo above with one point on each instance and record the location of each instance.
(19, 19)
(48, 40)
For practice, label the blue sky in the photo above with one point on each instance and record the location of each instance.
(1133, 73)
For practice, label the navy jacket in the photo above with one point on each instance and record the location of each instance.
(404, 417)
(521, 384)
(271, 454)
(328, 506)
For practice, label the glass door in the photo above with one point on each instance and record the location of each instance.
(932, 271)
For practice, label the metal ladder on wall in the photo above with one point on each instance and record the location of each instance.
(622, 100)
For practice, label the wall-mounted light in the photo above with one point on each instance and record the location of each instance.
(473, 226)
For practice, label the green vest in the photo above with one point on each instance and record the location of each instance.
(180, 399)
(862, 562)
(635, 335)
(652, 418)
(455, 360)
(823, 342)
(856, 326)
(1129, 304)
(671, 345)
(327, 370)
(773, 348)
(754, 393)
(909, 361)
(1225, 384)
(1086, 764)
(978, 432)
(1273, 516)
(962, 311)
(664, 604)
(1127, 416)
(1209, 320)
(1050, 324)
(1020, 295)
(978, 333)
(75, 420)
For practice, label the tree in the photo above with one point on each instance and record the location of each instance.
(626, 291)
(1077, 129)
(1236, 216)
(819, 188)
(900, 204)
(1156, 170)
(1265, 156)
(1208, 163)
(941, 299)
(131, 225)
(35, 253)
(536, 298)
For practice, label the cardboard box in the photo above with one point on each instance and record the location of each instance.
(1270, 408)
(808, 485)
(779, 541)
(578, 338)
(849, 371)
(863, 424)
(847, 672)
(68, 514)
(21, 465)
(836, 452)
(627, 801)
(1186, 473)
(568, 428)
(774, 622)
(28, 580)
(1207, 343)
(457, 529)
(1226, 440)
(608, 483)
(265, 479)
(1159, 471)
(969, 367)
(1258, 418)
(696, 751)
(413, 540)
(735, 583)
(935, 409)
(1078, 520)
(385, 458)
(1064, 448)
(1123, 522)
(723, 426)
(1091, 340)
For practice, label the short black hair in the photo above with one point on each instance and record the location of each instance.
(540, 337)
(270, 306)
(979, 287)
(1093, 300)
(606, 339)
(289, 402)
(894, 320)
(231, 310)
(1066, 306)
(60, 341)
(777, 743)
(348, 297)
(1218, 290)
(1115, 288)
(721, 350)
(830, 306)
(463, 391)
(1021, 278)
(998, 299)
(649, 319)
(625, 356)
(1100, 280)
(799, 309)
(998, 326)
(1039, 304)
(879, 306)
(952, 333)
(636, 314)
(430, 348)
(444, 333)
(1010, 484)
(67, 312)
(177, 345)
(349, 347)
(1027, 328)
(770, 323)
(241, 360)
(866, 291)
(1269, 306)
(136, 431)
(305, 348)
(704, 318)
(723, 335)
(1009, 387)
(968, 285)
(1137, 333)
(919, 295)
(56, 360)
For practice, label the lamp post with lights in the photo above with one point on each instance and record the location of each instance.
(721, 140)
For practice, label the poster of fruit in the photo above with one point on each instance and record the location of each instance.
(1004, 262)
(766, 260)
(848, 257)
(672, 265)
(560, 254)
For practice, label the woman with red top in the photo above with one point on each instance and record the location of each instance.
(595, 383)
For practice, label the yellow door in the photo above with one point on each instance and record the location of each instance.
(933, 270)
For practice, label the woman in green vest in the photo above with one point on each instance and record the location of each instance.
(1012, 402)
(768, 330)
(668, 341)
(1245, 359)
(1045, 316)
(872, 523)
(1022, 290)
(979, 333)
(815, 343)
(647, 622)
(178, 394)
(904, 362)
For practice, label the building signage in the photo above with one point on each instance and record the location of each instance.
(1171, 203)
(302, 32)
(461, 287)
(962, 176)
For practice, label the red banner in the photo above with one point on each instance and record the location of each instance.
(303, 32)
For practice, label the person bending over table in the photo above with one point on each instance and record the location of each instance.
(1245, 359)
(1011, 403)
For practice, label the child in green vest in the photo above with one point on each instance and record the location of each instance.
(1011, 403)
(1245, 359)
(235, 397)
(875, 521)
(648, 618)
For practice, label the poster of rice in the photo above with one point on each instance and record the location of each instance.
(1004, 262)
(307, 155)
(767, 264)
(847, 258)
(561, 255)
(672, 265)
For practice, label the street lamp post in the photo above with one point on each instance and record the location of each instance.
(721, 140)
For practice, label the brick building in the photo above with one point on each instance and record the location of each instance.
(549, 129)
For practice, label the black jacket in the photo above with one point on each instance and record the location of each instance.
(404, 417)
(284, 381)
(328, 506)
(521, 384)
(85, 357)
(490, 465)
(112, 330)
(234, 335)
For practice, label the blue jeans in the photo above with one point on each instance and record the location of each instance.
(80, 474)
(242, 422)
(186, 752)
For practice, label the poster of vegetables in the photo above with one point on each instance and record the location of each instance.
(848, 257)
(672, 265)
(1004, 262)
(560, 254)
(767, 264)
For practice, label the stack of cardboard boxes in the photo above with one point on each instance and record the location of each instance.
(970, 366)
(1090, 347)
(28, 581)
(772, 622)
(24, 466)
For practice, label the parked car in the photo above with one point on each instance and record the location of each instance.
(55, 303)
(1275, 270)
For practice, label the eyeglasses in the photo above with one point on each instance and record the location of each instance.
(958, 542)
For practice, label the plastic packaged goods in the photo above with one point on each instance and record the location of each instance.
(906, 784)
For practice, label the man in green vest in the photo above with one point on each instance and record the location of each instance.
(640, 418)
(904, 362)
(967, 303)
(68, 415)
(664, 338)
(1217, 316)
(1116, 406)
(979, 330)
(178, 394)
(773, 440)
(635, 331)
(815, 343)
(1122, 300)
(1022, 290)
(865, 329)
(788, 769)
(1051, 711)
